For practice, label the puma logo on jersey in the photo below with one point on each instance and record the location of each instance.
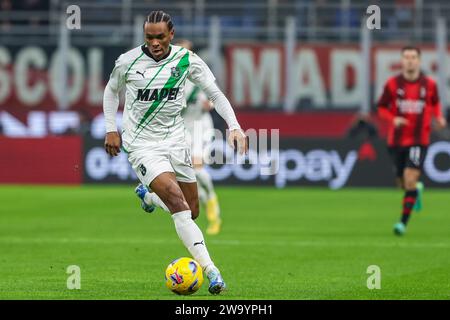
(196, 243)
(157, 94)
(141, 73)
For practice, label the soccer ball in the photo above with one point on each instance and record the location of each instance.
(184, 276)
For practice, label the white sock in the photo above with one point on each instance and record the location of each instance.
(204, 178)
(192, 238)
(152, 198)
(202, 196)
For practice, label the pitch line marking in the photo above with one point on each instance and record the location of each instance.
(17, 240)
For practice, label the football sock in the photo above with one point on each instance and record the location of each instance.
(192, 238)
(211, 202)
(209, 269)
(202, 196)
(152, 198)
(205, 180)
(408, 203)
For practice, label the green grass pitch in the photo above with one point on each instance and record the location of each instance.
(295, 243)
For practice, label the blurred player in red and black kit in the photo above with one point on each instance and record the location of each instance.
(409, 102)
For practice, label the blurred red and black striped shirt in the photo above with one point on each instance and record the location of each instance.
(417, 101)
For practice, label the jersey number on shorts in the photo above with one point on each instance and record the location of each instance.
(187, 158)
(414, 155)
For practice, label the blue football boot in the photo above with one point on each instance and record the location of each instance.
(216, 283)
(399, 229)
(140, 191)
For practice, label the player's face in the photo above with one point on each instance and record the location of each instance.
(410, 61)
(158, 38)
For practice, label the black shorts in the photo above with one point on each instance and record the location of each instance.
(407, 157)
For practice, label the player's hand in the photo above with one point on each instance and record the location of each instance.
(112, 143)
(441, 123)
(400, 121)
(241, 140)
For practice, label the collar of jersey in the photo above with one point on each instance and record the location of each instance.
(421, 75)
(147, 53)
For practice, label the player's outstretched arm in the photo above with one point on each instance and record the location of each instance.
(441, 122)
(110, 107)
(224, 109)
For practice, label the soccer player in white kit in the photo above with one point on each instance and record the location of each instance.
(153, 133)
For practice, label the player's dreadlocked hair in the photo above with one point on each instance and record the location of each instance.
(159, 16)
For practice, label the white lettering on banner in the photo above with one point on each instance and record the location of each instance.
(256, 75)
(12, 127)
(35, 121)
(99, 165)
(5, 83)
(36, 126)
(308, 76)
(76, 66)
(343, 169)
(435, 174)
(61, 121)
(40, 123)
(341, 95)
(316, 165)
(31, 60)
(31, 56)
(95, 81)
(258, 80)
(311, 66)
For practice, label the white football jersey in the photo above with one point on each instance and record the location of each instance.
(155, 93)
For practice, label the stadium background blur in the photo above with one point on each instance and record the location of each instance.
(311, 69)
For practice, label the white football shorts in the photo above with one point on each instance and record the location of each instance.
(150, 162)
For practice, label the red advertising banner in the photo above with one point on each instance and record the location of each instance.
(51, 160)
(325, 76)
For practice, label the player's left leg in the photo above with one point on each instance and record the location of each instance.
(169, 190)
(181, 162)
(411, 177)
(416, 158)
(190, 193)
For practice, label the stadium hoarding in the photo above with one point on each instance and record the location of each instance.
(48, 160)
(327, 76)
(333, 163)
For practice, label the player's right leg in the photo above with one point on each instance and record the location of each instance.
(149, 199)
(147, 164)
(398, 156)
(212, 203)
(169, 191)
